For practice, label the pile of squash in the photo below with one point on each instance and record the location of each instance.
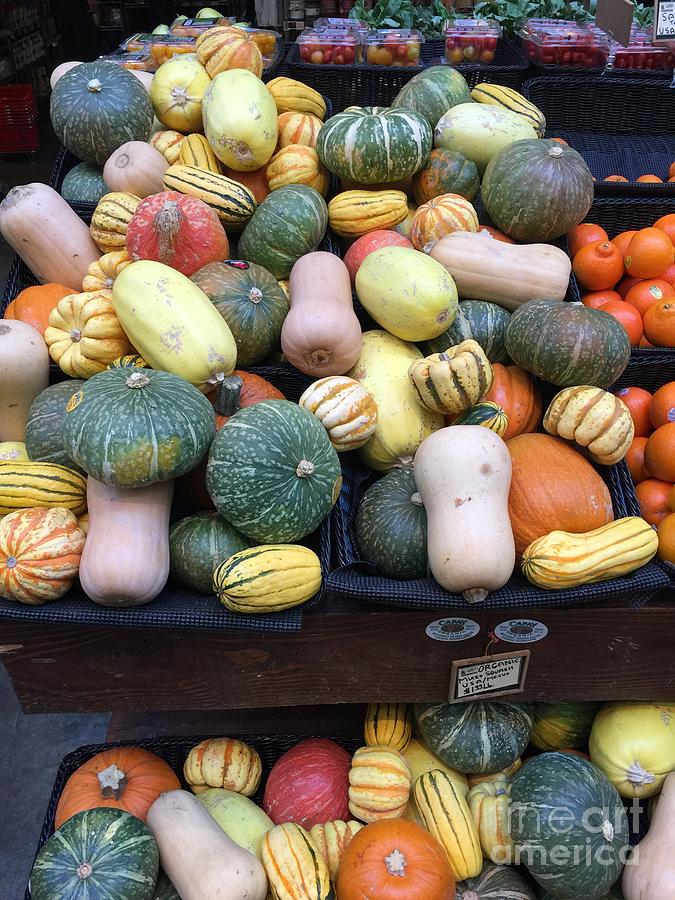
(449, 813)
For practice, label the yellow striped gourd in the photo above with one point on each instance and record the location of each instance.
(195, 150)
(508, 98)
(294, 96)
(388, 725)
(332, 839)
(453, 381)
(295, 868)
(379, 784)
(168, 144)
(353, 213)
(268, 578)
(563, 560)
(233, 203)
(111, 218)
(29, 484)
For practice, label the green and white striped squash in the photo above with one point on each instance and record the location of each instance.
(375, 144)
(46, 415)
(98, 106)
(273, 472)
(495, 883)
(391, 526)
(98, 854)
(198, 545)
(290, 222)
(478, 737)
(563, 726)
(488, 415)
(433, 92)
(135, 427)
(560, 801)
(164, 889)
(479, 321)
(84, 184)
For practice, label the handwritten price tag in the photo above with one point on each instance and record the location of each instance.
(494, 675)
(664, 20)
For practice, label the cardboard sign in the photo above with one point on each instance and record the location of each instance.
(664, 20)
(615, 17)
(488, 676)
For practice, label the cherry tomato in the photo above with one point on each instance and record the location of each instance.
(317, 57)
(487, 56)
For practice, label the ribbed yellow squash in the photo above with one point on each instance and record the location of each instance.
(634, 745)
(176, 92)
(422, 760)
(295, 868)
(490, 804)
(172, 323)
(388, 725)
(379, 784)
(268, 578)
(240, 120)
(402, 424)
(332, 839)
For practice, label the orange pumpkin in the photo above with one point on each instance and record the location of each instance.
(518, 395)
(126, 778)
(553, 488)
(255, 181)
(440, 216)
(394, 859)
(34, 304)
(298, 128)
(297, 164)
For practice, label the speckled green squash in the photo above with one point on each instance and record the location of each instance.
(165, 890)
(615, 893)
(478, 737)
(563, 726)
(561, 802)
(374, 144)
(391, 526)
(98, 854)
(477, 320)
(446, 172)
(83, 184)
(495, 883)
(135, 427)
(433, 92)
(199, 544)
(45, 420)
(273, 472)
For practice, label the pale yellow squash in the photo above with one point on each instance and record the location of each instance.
(12, 451)
(238, 816)
(177, 90)
(422, 760)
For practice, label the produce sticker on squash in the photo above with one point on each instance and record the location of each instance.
(75, 401)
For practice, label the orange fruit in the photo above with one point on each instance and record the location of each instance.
(638, 401)
(595, 299)
(653, 179)
(653, 496)
(667, 224)
(659, 323)
(598, 266)
(623, 240)
(662, 407)
(649, 253)
(666, 532)
(561, 141)
(583, 234)
(635, 459)
(671, 170)
(629, 317)
(625, 285)
(615, 178)
(648, 292)
(660, 453)
(669, 275)
(645, 343)
(671, 179)
(496, 234)
(671, 499)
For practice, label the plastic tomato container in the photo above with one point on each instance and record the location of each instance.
(269, 44)
(549, 43)
(196, 27)
(136, 59)
(643, 53)
(471, 41)
(325, 47)
(337, 24)
(394, 47)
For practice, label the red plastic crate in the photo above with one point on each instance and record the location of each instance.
(18, 119)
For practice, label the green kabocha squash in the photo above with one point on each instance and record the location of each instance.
(478, 737)
(45, 419)
(98, 106)
(488, 415)
(570, 825)
(98, 854)
(446, 172)
(495, 883)
(273, 472)
(537, 190)
(289, 222)
(562, 726)
(164, 889)
(134, 427)
(614, 893)
(84, 184)
(477, 320)
(567, 343)
(252, 303)
(374, 144)
(391, 526)
(198, 545)
(433, 92)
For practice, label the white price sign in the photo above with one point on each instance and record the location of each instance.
(664, 20)
(488, 676)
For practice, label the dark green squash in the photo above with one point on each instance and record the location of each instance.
(567, 344)
(563, 726)
(391, 526)
(164, 889)
(446, 172)
(83, 184)
(570, 825)
(45, 419)
(198, 545)
(488, 415)
(495, 883)
(477, 320)
(478, 737)
(615, 893)
(252, 303)
(537, 190)
(433, 92)
(98, 854)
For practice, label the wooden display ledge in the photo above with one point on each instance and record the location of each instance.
(353, 655)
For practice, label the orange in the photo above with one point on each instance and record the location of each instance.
(649, 253)
(638, 401)
(670, 180)
(671, 170)
(671, 499)
(669, 275)
(648, 292)
(662, 407)
(595, 299)
(660, 453)
(623, 240)
(659, 323)
(629, 317)
(615, 178)
(561, 141)
(583, 234)
(626, 284)
(666, 532)
(635, 459)
(653, 496)
(667, 224)
(653, 179)
(645, 343)
(598, 266)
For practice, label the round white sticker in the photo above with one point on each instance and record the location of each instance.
(454, 629)
(521, 631)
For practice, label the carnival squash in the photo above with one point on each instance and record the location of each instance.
(24, 373)
(223, 763)
(298, 128)
(440, 216)
(345, 408)
(295, 868)
(168, 143)
(176, 93)
(238, 816)
(223, 47)
(103, 272)
(592, 418)
(110, 220)
(332, 839)
(379, 784)
(33, 304)
(517, 393)
(453, 381)
(137, 168)
(650, 872)
(297, 164)
(446, 172)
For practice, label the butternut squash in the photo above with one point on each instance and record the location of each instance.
(321, 334)
(508, 274)
(650, 871)
(135, 168)
(24, 373)
(463, 474)
(201, 861)
(125, 561)
(49, 237)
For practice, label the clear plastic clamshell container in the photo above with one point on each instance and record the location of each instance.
(268, 41)
(394, 47)
(139, 60)
(643, 53)
(335, 47)
(195, 27)
(564, 43)
(471, 41)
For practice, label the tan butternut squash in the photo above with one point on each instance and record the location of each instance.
(201, 861)
(650, 872)
(49, 237)
(24, 373)
(125, 561)
(508, 274)
(61, 70)
(321, 334)
(463, 474)
(135, 168)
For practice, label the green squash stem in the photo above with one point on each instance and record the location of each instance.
(228, 396)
